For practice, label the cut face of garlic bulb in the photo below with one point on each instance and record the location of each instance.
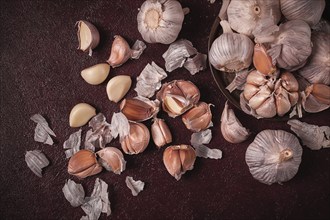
(274, 156)
(160, 21)
(88, 36)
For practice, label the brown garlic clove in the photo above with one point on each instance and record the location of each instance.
(84, 164)
(262, 61)
(112, 159)
(120, 52)
(138, 109)
(137, 140)
(88, 36)
(178, 96)
(321, 92)
(160, 132)
(198, 118)
(289, 82)
(178, 159)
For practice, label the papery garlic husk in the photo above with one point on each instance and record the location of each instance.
(139, 109)
(42, 132)
(198, 118)
(196, 63)
(135, 186)
(74, 193)
(231, 52)
(160, 133)
(274, 156)
(112, 159)
(120, 52)
(322, 26)
(316, 98)
(36, 160)
(245, 15)
(178, 159)
(84, 164)
(239, 81)
(231, 128)
(309, 11)
(137, 140)
(178, 96)
(88, 36)
(317, 69)
(262, 61)
(160, 21)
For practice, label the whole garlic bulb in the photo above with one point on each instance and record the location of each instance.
(274, 156)
(160, 21)
(245, 15)
(309, 11)
(231, 52)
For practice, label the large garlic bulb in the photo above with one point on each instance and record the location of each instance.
(317, 70)
(245, 15)
(308, 10)
(274, 156)
(290, 46)
(231, 52)
(160, 21)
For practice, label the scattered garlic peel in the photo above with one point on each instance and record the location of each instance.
(72, 144)
(239, 81)
(137, 49)
(135, 186)
(119, 125)
(36, 160)
(42, 131)
(202, 137)
(205, 152)
(312, 136)
(74, 193)
(311, 104)
(196, 63)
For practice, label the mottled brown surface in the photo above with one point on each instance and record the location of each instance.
(40, 73)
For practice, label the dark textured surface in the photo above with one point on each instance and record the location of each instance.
(40, 73)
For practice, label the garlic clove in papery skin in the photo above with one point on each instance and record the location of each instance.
(88, 36)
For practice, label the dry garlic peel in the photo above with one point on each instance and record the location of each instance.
(274, 156)
(74, 193)
(88, 36)
(160, 133)
(96, 74)
(200, 138)
(81, 114)
(198, 118)
(139, 109)
(119, 126)
(135, 186)
(196, 63)
(36, 160)
(72, 144)
(42, 132)
(112, 159)
(160, 21)
(205, 152)
(117, 87)
(137, 140)
(239, 81)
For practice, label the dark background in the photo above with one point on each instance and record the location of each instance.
(40, 73)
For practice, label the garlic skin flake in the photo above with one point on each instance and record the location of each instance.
(231, 128)
(202, 137)
(74, 193)
(274, 156)
(88, 36)
(36, 160)
(119, 125)
(135, 186)
(42, 131)
(72, 144)
(205, 152)
(160, 21)
(196, 63)
(312, 136)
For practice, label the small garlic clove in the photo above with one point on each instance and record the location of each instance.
(289, 82)
(120, 52)
(311, 104)
(198, 118)
(117, 87)
(84, 164)
(293, 97)
(81, 114)
(260, 97)
(256, 78)
(88, 36)
(262, 61)
(160, 133)
(139, 109)
(112, 159)
(268, 108)
(96, 74)
(283, 104)
(321, 92)
(137, 140)
(250, 90)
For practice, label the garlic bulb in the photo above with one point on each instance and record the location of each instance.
(245, 15)
(274, 156)
(317, 70)
(160, 21)
(231, 52)
(309, 11)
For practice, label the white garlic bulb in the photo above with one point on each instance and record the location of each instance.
(160, 21)
(317, 70)
(245, 15)
(309, 11)
(274, 156)
(231, 52)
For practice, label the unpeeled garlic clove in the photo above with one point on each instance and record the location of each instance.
(256, 78)
(283, 104)
(260, 97)
(96, 74)
(137, 140)
(88, 36)
(262, 61)
(160, 132)
(120, 52)
(84, 164)
(139, 109)
(81, 114)
(117, 87)
(112, 159)
(198, 118)
(178, 159)
(321, 92)
(289, 82)
(268, 108)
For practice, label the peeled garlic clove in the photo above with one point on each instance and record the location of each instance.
(96, 74)
(198, 118)
(262, 61)
(88, 36)
(137, 140)
(321, 92)
(178, 159)
(84, 164)
(139, 109)
(112, 159)
(81, 114)
(36, 160)
(231, 128)
(160, 133)
(117, 87)
(120, 52)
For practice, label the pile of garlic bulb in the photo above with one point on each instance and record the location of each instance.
(289, 46)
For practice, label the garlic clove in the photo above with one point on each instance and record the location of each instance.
(117, 87)
(289, 82)
(96, 74)
(260, 97)
(256, 78)
(262, 61)
(112, 159)
(311, 104)
(283, 104)
(160, 132)
(84, 164)
(321, 92)
(250, 90)
(198, 118)
(137, 140)
(81, 114)
(120, 52)
(139, 109)
(267, 109)
(88, 36)
(293, 97)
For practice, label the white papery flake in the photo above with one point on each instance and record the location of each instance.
(42, 131)
(36, 160)
(119, 125)
(205, 152)
(72, 145)
(74, 193)
(196, 63)
(135, 186)
(239, 80)
(202, 137)
(137, 49)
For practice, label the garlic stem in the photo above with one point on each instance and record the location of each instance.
(186, 11)
(223, 11)
(226, 27)
(286, 155)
